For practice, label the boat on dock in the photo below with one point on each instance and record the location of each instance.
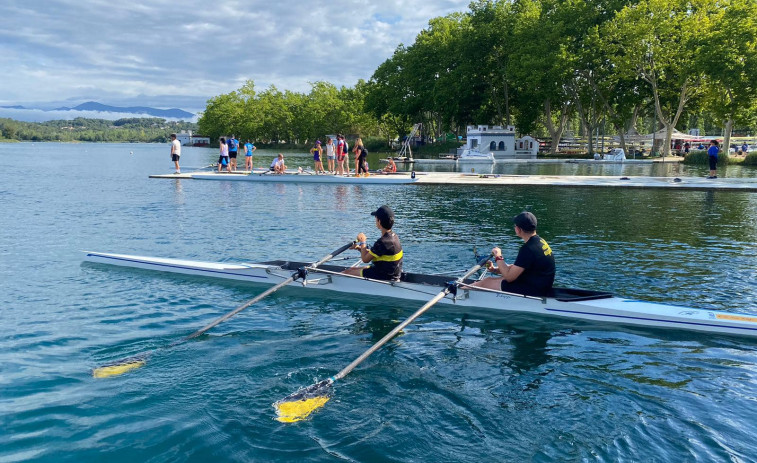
(593, 306)
(308, 177)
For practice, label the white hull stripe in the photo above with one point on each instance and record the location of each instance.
(659, 320)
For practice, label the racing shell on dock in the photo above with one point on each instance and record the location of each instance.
(380, 179)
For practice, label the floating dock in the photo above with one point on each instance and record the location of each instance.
(446, 178)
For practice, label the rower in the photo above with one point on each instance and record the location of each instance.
(385, 254)
(533, 272)
(392, 167)
(278, 165)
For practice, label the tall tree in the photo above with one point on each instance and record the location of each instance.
(728, 52)
(656, 40)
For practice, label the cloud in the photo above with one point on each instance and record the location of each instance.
(66, 48)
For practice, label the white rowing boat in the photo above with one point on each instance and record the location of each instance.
(308, 177)
(568, 303)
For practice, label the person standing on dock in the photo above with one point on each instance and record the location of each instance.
(330, 154)
(712, 157)
(340, 155)
(223, 158)
(175, 152)
(346, 153)
(249, 148)
(361, 154)
(385, 254)
(233, 147)
(317, 153)
(533, 272)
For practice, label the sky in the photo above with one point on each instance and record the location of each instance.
(178, 54)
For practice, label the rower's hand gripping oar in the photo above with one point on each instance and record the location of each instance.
(302, 403)
(131, 363)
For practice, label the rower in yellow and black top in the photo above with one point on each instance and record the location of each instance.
(385, 254)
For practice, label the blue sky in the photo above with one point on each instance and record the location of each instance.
(177, 54)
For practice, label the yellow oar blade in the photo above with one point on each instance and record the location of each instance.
(115, 370)
(302, 403)
(290, 412)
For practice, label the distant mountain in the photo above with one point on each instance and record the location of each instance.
(172, 113)
(12, 107)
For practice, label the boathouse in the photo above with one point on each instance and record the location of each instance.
(188, 139)
(500, 141)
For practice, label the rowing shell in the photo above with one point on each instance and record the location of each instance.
(380, 179)
(568, 303)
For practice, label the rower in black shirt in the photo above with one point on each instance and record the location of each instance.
(386, 252)
(533, 272)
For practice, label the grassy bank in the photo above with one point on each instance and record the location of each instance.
(701, 158)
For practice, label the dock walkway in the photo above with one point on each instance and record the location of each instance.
(577, 181)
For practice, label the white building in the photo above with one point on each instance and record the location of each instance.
(500, 142)
(187, 139)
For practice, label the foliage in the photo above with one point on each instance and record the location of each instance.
(272, 116)
(556, 63)
(702, 158)
(150, 130)
(750, 160)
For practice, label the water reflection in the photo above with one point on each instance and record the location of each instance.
(178, 192)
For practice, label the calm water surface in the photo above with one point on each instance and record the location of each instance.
(454, 387)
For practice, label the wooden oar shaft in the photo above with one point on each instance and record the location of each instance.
(345, 371)
(262, 295)
(238, 309)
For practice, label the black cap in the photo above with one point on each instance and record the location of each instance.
(385, 215)
(526, 221)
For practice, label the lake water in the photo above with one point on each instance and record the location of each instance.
(454, 386)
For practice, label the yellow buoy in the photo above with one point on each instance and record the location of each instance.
(115, 370)
(290, 412)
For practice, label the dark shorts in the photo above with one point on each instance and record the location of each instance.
(175, 157)
(316, 158)
(519, 288)
(220, 160)
(713, 162)
(232, 154)
(370, 272)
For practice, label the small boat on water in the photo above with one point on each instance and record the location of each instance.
(563, 302)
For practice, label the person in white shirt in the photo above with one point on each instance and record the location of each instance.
(278, 165)
(331, 154)
(175, 152)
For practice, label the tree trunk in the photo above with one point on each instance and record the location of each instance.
(555, 132)
(727, 135)
(667, 122)
(507, 104)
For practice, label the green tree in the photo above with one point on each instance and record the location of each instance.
(728, 53)
(656, 40)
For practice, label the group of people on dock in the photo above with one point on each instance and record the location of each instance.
(532, 273)
(336, 153)
(337, 157)
(229, 149)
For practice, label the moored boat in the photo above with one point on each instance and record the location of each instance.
(564, 302)
(309, 177)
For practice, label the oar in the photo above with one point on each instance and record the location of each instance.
(302, 403)
(131, 363)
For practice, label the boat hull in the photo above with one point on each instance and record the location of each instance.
(566, 303)
(374, 179)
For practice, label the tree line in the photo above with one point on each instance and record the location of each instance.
(541, 65)
(136, 129)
